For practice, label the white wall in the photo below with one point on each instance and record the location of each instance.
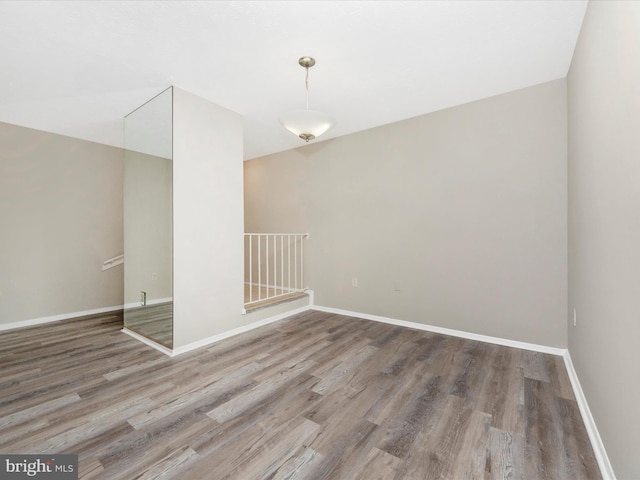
(60, 218)
(465, 209)
(208, 219)
(604, 224)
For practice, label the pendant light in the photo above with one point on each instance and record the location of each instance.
(306, 124)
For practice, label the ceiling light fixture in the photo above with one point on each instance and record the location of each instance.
(306, 124)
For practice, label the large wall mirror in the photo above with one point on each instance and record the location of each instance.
(148, 220)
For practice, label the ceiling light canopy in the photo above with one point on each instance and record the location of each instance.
(307, 124)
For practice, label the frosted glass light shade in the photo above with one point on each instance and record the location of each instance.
(306, 124)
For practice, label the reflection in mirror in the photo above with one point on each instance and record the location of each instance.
(148, 220)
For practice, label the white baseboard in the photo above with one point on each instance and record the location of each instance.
(146, 341)
(596, 442)
(246, 328)
(57, 318)
(448, 331)
(221, 336)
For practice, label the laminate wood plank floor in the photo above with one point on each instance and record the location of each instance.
(315, 396)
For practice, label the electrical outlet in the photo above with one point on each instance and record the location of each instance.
(575, 318)
(354, 281)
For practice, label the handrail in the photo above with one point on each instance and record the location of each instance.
(274, 265)
(112, 262)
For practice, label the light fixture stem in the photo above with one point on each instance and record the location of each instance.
(306, 83)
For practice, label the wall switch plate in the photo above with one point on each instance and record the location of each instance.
(354, 281)
(154, 276)
(575, 318)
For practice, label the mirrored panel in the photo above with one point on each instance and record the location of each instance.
(148, 220)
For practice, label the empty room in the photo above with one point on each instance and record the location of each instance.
(320, 239)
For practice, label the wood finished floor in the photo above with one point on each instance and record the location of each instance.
(316, 396)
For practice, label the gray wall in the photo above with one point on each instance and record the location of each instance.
(60, 218)
(463, 210)
(604, 224)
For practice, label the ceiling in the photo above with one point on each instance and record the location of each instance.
(77, 68)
